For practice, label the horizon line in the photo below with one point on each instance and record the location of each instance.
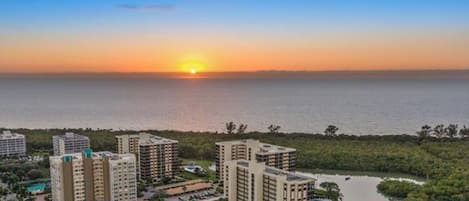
(228, 72)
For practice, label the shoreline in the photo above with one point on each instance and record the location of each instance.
(196, 132)
(192, 131)
(382, 175)
(404, 138)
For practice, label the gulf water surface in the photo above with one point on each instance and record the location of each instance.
(358, 103)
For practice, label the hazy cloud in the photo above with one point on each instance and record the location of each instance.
(148, 7)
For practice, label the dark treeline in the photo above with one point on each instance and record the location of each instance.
(441, 131)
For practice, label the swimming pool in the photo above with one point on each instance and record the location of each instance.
(36, 188)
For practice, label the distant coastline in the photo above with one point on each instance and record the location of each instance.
(265, 74)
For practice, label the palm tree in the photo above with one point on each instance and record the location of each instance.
(242, 128)
(230, 127)
(451, 130)
(464, 132)
(331, 130)
(273, 129)
(424, 133)
(439, 131)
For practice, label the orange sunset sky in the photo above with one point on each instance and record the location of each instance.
(111, 36)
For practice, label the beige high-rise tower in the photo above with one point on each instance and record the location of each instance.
(283, 158)
(254, 181)
(98, 176)
(157, 157)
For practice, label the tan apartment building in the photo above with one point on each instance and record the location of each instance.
(280, 157)
(97, 176)
(254, 181)
(157, 157)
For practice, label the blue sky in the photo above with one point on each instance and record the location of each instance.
(212, 12)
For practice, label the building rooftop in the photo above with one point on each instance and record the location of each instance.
(90, 153)
(269, 148)
(10, 135)
(234, 142)
(291, 176)
(131, 135)
(264, 148)
(114, 156)
(190, 186)
(149, 139)
(70, 135)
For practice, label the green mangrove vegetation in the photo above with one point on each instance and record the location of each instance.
(397, 189)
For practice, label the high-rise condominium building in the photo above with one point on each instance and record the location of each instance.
(252, 150)
(157, 157)
(12, 144)
(69, 143)
(130, 143)
(254, 181)
(98, 176)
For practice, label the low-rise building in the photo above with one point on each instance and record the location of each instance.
(251, 180)
(253, 150)
(97, 176)
(69, 143)
(12, 144)
(186, 187)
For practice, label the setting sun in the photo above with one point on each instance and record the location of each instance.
(193, 71)
(193, 67)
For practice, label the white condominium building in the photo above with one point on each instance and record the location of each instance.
(252, 150)
(157, 157)
(12, 144)
(98, 176)
(254, 181)
(69, 143)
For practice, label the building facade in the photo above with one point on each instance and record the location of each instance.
(98, 176)
(255, 181)
(12, 144)
(157, 157)
(283, 158)
(69, 143)
(129, 143)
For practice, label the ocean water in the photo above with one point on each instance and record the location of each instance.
(376, 103)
